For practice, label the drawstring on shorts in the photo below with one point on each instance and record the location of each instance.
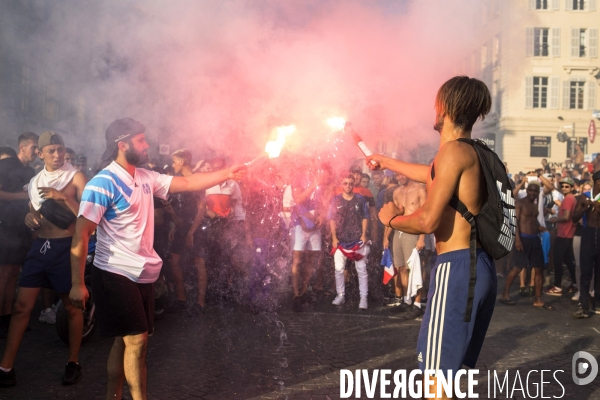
(45, 246)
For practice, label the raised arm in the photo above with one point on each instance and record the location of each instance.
(205, 180)
(548, 186)
(415, 172)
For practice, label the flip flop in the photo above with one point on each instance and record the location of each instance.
(508, 302)
(546, 307)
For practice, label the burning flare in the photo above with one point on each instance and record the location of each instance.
(273, 148)
(336, 123)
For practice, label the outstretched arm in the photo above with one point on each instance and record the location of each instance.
(205, 180)
(415, 172)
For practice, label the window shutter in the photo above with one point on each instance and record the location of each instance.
(574, 42)
(529, 43)
(566, 94)
(532, 4)
(593, 42)
(568, 5)
(528, 92)
(554, 82)
(555, 4)
(591, 94)
(555, 42)
(592, 5)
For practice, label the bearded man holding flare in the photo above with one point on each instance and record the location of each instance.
(118, 202)
(446, 341)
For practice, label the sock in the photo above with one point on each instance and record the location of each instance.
(417, 304)
(5, 369)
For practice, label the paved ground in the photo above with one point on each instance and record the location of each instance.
(231, 353)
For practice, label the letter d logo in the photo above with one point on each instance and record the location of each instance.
(583, 367)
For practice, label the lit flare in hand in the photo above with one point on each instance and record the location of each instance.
(273, 148)
(336, 123)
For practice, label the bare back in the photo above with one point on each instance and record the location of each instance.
(456, 171)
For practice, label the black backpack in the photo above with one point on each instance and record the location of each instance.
(495, 224)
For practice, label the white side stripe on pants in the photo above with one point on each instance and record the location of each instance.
(436, 321)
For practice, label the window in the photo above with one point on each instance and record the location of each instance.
(484, 57)
(582, 43)
(540, 91)
(540, 42)
(541, 4)
(576, 95)
(496, 52)
(580, 5)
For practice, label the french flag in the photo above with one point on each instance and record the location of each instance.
(350, 249)
(388, 266)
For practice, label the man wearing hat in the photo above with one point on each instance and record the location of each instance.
(118, 203)
(563, 244)
(589, 204)
(54, 195)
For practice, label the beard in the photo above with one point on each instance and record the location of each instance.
(439, 123)
(135, 158)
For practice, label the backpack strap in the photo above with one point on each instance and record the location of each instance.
(462, 209)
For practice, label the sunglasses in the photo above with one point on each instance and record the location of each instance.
(348, 183)
(565, 186)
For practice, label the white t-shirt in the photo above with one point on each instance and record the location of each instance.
(123, 208)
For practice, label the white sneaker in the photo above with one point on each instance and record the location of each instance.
(48, 316)
(576, 297)
(339, 300)
(364, 304)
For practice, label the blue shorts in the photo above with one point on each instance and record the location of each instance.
(48, 265)
(446, 341)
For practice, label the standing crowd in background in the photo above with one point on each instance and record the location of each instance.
(311, 228)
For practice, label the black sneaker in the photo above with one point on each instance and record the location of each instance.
(297, 304)
(7, 379)
(72, 374)
(579, 314)
(413, 313)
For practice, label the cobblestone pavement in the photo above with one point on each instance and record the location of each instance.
(230, 353)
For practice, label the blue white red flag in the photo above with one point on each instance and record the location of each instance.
(388, 266)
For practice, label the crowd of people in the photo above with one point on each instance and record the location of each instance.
(305, 225)
(557, 217)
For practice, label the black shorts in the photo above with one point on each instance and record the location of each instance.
(532, 255)
(48, 265)
(15, 243)
(123, 306)
(178, 244)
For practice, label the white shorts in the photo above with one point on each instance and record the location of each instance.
(302, 240)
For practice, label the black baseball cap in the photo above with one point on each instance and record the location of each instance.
(118, 131)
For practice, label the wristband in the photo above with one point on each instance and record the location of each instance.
(391, 219)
